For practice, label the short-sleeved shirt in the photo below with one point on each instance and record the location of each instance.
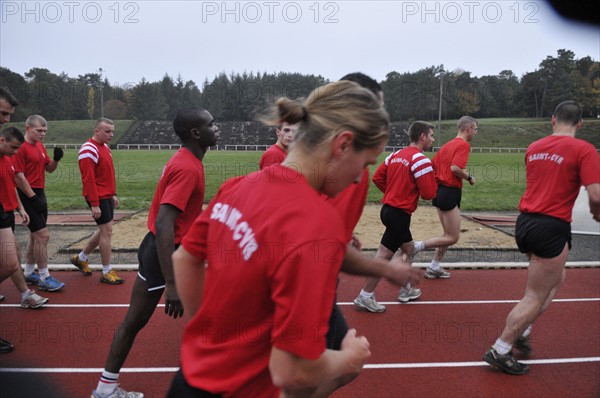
(97, 172)
(270, 280)
(350, 203)
(455, 152)
(273, 155)
(8, 194)
(556, 167)
(31, 160)
(403, 177)
(182, 186)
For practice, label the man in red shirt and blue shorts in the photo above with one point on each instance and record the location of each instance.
(556, 167)
(176, 204)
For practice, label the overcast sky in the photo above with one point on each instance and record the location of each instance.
(200, 39)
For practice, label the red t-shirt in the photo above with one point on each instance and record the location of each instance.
(403, 177)
(31, 160)
(556, 167)
(273, 155)
(8, 195)
(455, 152)
(181, 185)
(273, 249)
(350, 203)
(97, 172)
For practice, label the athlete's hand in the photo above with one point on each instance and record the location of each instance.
(24, 216)
(96, 212)
(116, 201)
(37, 204)
(58, 154)
(358, 350)
(356, 243)
(472, 180)
(173, 305)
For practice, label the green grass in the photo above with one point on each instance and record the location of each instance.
(75, 131)
(500, 178)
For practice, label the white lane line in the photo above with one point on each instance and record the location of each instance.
(551, 361)
(342, 303)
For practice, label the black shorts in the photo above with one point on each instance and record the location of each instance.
(7, 219)
(338, 327)
(107, 207)
(447, 198)
(181, 389)
(149, 269)
(397, 227)
(37, 220)
(542, 235)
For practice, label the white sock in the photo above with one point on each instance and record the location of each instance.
(25, 294)
(29, 268)
(435, 265)
(501, 347)
(419, 245)
(527, 331)
(44, 273)
(107, 383)
(106, 269)
(83, 256)
(366, 294)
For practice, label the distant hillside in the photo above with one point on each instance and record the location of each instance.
(75, 131)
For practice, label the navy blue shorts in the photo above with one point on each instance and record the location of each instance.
(181, 389)
(338, 327)
(447, 198)
(542, 235)
(149, 266)
(107, 207)
(397, 227)
(7, 219)
(37, 219)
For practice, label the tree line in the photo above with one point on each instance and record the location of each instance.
(241, 97)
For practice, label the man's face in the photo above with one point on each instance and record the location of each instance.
(429, 140)
(286, 134)
(472, 132)
(36, 132)
(104, 133)
(208, 130)
(9, 148)
(6, 111)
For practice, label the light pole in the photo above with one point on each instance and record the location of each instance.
(101, 95)
(439, 139)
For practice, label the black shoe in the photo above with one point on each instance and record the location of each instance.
(522, 344)
(5, 347)
(505, 363)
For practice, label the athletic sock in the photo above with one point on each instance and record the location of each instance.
(527, 331)
(435, 265)
(419, 245)
(29, 268)
(44, 273)
(106, 269)
(25, 294)
(83, 256)
(366, 294)
(501, 347)
(107, 383)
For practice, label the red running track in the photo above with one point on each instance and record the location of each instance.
(429, 348)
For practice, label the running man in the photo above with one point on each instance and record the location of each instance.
(403, 177)
(177, 202)
(31, 164)
(278, 151)
(100, 193)
(450, 165)
(556, 167)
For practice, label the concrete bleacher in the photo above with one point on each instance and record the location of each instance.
(155, 132)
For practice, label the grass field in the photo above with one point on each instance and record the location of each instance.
(500, 178)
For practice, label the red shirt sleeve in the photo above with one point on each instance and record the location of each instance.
(461, 155)
(590, 166)
(379, 178)
(88, 179)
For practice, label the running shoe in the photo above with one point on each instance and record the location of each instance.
(522, 344)
(1, 297)
(33, 279)
(32, 300)
(82, 266)
(438, 273)
(409, 294)
(50, 284)
(118, 393)
(6, 346)
(505, 363)
(111, 278)
(368, 304)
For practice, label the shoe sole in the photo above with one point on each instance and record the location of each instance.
(47, 289)
(34, 307)
(112, 282)
(501, 368)
(361, 307)
(407, 299)
(436, 277)
(83, 271)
